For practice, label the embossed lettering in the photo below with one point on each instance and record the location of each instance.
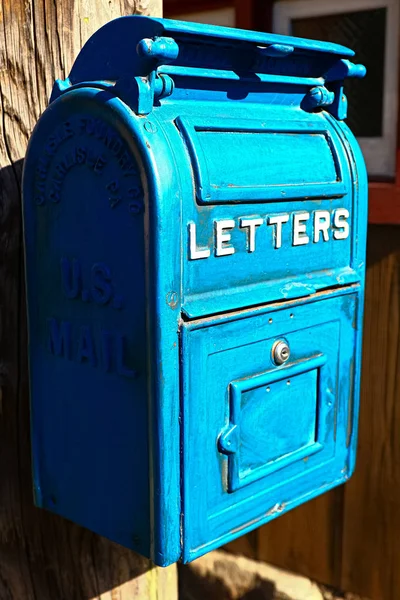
(340, 222)
(54, 165)
(113, 186)
(250, 225)
(59, 338)
(302, 226)
(98, 289)
(63, 132)
(300, 237)
(107, 351)
(322, 223)
(101, 289)
(86, 346)
(222, 238)
(278, 221)
(195, 252)
(97, 163)
(101, 131)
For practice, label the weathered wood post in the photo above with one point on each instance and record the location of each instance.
(41, 556)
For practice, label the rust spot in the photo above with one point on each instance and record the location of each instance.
(172, 299)
(262, 308)
(278, 508)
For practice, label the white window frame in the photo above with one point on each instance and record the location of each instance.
(379, 152)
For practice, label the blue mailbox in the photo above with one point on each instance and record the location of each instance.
(195, 217)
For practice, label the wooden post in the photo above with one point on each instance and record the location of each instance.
(43, 557)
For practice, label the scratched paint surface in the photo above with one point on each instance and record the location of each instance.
(192, 196)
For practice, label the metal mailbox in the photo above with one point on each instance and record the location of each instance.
(195, 217)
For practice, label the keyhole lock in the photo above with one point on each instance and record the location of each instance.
(280, 352)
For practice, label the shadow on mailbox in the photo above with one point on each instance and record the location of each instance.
(195, 218)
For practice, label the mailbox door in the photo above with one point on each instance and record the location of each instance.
(275, 210)
(260, 438)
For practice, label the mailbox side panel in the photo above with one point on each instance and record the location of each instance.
(360, 195)
(91, 213)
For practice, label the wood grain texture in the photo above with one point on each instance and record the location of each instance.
(43, 557)
(371, 525)
(307, 540)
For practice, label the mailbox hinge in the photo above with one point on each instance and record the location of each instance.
(332, 96)
(142, 92)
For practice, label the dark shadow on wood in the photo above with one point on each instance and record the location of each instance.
(219, 582)
(382, 241)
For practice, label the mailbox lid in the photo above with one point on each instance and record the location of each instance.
(274, 202)
(263, 438)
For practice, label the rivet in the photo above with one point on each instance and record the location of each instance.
(150, 127)
(172, 299)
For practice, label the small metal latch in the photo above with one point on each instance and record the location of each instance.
(334, 79)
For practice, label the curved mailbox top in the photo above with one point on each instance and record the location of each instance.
(115, 50)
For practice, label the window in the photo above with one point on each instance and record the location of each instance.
(371, 29)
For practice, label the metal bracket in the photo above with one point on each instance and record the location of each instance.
(334, 78)
(332, 96)
(141, 92)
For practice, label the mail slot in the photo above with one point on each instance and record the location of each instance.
(195, 225)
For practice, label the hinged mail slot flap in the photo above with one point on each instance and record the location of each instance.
(274, 420)
(237, 161)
